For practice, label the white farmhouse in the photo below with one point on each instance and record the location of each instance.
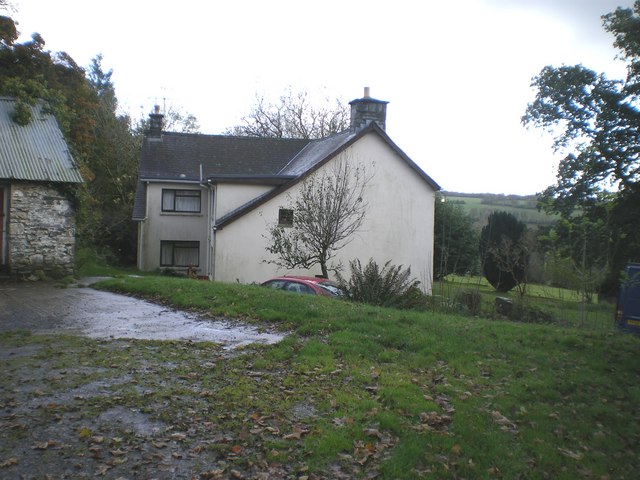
(206, 202)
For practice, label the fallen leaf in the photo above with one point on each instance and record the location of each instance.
(44, 445)
(84, 432)
(456, 449)
(235, 449)
(178, 437)
(570, 454)
(9, 462)
(504, 422)
(298, 431)
(103, 469)
(212, 474)
(118, 453)
(372, 432)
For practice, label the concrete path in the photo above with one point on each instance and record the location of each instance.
(44, 307)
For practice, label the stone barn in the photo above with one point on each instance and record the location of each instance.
(37, 178)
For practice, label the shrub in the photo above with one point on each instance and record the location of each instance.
(469, 299)
(390, 286)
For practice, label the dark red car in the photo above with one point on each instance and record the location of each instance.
(308, 285)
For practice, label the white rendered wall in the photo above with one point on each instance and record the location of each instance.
(398, 225)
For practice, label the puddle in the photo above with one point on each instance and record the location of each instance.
(104, 315)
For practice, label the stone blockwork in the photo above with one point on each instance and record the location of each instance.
(42, 230)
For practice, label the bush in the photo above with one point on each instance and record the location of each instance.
(390, 286)
(470, 300)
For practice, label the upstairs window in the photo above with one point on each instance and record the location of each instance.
(180, 200)
(285, 217)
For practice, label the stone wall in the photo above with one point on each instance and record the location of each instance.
(42, 230)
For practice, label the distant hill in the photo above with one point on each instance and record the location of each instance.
(480, 205)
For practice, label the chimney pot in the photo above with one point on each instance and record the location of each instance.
(367, 92)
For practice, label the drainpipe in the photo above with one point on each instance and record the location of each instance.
(141, 227)
(211, 229)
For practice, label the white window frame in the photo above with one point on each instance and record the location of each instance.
(178, 244)
(170, 200)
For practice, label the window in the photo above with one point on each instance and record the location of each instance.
(285, 217)
(179, 254)
(180, 200)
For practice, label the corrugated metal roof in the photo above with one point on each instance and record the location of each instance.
(36, 151)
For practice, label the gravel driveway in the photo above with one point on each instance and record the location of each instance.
(79, 309)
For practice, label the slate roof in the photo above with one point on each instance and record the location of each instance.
(280, 162)
(36, 151)
(179, 156)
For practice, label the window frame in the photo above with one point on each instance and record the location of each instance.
(184, 193)
(184, 244)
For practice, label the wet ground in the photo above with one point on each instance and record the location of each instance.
(48, 308)
(117, 408)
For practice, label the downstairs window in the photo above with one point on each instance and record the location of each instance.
(179, 254)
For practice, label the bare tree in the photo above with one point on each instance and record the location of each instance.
(293, 117)
(329, 208)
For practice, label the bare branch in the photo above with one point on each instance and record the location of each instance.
(329, 208)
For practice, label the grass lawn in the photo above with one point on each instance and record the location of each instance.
(356, 391)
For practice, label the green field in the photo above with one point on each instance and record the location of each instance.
(480, 206)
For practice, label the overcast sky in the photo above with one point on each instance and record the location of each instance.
(457, 74)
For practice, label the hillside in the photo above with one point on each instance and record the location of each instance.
(481, 205)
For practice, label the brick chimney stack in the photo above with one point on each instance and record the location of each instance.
(366, 110)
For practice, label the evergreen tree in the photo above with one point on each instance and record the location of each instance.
(455, 240)
(503, 251)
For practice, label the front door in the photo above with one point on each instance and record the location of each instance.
(4, 208)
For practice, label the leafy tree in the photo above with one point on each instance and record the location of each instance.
(292, 117)
(113, 161)
(503, 251)
(29, 72)
(596, 121)
(329, 208)
(594, 118)
(455, 240)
